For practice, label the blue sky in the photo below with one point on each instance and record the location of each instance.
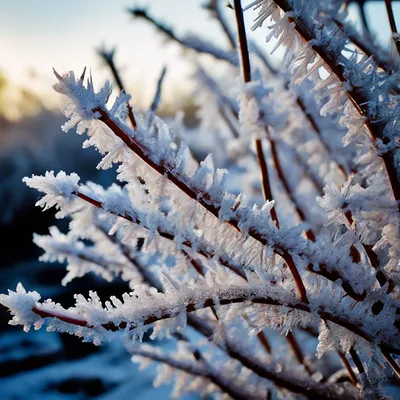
(38, 35)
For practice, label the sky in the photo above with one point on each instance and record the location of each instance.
(36, 36)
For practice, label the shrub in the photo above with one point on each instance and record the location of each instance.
(217, 271)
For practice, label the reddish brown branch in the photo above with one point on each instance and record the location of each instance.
(349, 370)
(297, 351)
(192, 306)
(266, 187)
(246, 73)
(69, 319)
(262, 338)
(316, 129)
(243, 47)
(341, 355)
(285, 184)
(392, 362)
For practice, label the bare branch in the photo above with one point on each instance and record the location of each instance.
(392, 22)
(108, 57)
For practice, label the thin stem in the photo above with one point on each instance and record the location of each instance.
(262, 338)
(392, 362)
(265, 178)
(357, 361)
(297, 351)
(317, 130)
(314, 333)
(214, 8)
(302, 386)
(198, 46)
(364, 20)
(223, 112)
(392, 23)
(108, 57)
(244, 50)
(157, 96)
(225, 106)
(246, 75)
(347, 365)
(279, 170)
(373, 258)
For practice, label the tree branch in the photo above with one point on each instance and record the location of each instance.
(211, 297)
(203, 198)
(359, 96)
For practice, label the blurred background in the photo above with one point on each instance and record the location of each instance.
(67, 35)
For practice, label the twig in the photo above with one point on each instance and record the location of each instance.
(279, 170)
(198, 45)
(357, 361)
(215, 11)
(244, 50)
(372, 257)
(391, 361)
(392, 22)
(297, 351)
(246, 74)
(350, 371)
(157, 96)
(108, 57)
(364, 20)
(265, 178)
(264, 341)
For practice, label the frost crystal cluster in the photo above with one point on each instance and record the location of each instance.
(290, 295)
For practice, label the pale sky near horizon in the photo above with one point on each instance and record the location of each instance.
(38, 35)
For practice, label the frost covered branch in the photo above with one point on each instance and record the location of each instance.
(348, 72)
(214, 257)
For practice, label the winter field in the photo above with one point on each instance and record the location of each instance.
(212, 215)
